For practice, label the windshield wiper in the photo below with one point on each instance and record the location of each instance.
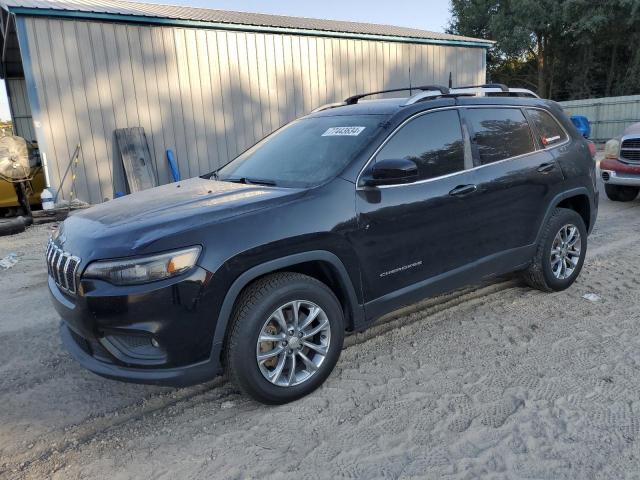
(250, 181)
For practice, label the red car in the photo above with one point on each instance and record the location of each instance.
(620, 169)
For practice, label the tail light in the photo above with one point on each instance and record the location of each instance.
(592, 148)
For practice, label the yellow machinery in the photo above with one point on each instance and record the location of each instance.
(8, 196)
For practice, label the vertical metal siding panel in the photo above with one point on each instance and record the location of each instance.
(290, 81)
(235, 93)
(90, 78)
(138, 68)
(268, 104)
(307, 104)
(298, 81)
(321, 72)
(278, 80)
(200, 162)
(126, 71)
(177, 114)
(68, 115)
(187, 101)
(211, 159)
(379, 52)
(19, 105)
(41, 114)
(244, 93)
(254, 81)
(338, 72)
(114, 76)
(358, 65)
(103, 97)
(267, 62)
(316, 98)
(219, 99)
(156, 118)
(159, 60)
(225, 92)
(97, 188)
(347, 86)
(351, 67)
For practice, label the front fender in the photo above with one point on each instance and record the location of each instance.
(355, 309)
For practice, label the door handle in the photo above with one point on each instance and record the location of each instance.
(546, 167)
(461, 190)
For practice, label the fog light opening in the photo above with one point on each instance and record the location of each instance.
(155, 343)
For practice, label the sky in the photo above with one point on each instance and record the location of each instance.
(424, 14)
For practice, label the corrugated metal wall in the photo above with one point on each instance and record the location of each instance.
(608, 116)
(206, 94)
(20, 109)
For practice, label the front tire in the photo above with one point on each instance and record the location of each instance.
(286, 336)
(621, 193)
(560, 252)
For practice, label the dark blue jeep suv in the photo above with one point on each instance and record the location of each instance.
(259, 268)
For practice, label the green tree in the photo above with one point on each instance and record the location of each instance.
(562, 48)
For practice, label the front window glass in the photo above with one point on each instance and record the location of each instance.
(305, 152)
(433, 141)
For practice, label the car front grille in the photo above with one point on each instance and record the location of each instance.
(630, 150)
(62, 266)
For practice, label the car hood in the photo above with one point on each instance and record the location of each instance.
(139, 219)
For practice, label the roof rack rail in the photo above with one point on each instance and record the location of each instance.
(501, 86)
(489, 88)
(440, 88)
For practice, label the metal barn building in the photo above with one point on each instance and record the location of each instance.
(204, 83)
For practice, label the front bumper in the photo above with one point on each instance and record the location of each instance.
(160, 333)
(174, 377)
(615, 172)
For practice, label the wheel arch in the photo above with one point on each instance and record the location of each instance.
(320, 264)
(577, 199)
(580, 204)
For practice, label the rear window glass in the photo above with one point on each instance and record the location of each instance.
(499, 133)
(547, 127)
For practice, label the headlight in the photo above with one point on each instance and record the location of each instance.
(133, 271)
(612, 148)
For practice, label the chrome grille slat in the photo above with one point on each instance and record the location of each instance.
(62, 267)
(630, 150)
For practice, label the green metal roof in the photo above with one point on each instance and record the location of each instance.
(125, 11)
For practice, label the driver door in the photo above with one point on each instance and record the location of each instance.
(410, 233)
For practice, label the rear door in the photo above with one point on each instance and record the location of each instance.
(516, 179)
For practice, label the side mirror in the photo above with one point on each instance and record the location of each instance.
(391, 172)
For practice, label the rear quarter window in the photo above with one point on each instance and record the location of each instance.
(547, 128)
(499, 133)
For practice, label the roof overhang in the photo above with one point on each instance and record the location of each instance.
(151, 20)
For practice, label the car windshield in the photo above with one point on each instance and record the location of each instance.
(304, 153)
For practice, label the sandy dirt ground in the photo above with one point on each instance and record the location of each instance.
(495, 381)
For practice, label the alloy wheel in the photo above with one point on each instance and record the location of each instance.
(565, 251)
(293, 343)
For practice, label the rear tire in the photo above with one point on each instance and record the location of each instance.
(272, 352)
(621, 193)
(560, 252)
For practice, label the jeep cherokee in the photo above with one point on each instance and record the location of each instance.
(259, 268)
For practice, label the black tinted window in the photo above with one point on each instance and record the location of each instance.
(433, 141)
(547, 127)
(499, 133)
